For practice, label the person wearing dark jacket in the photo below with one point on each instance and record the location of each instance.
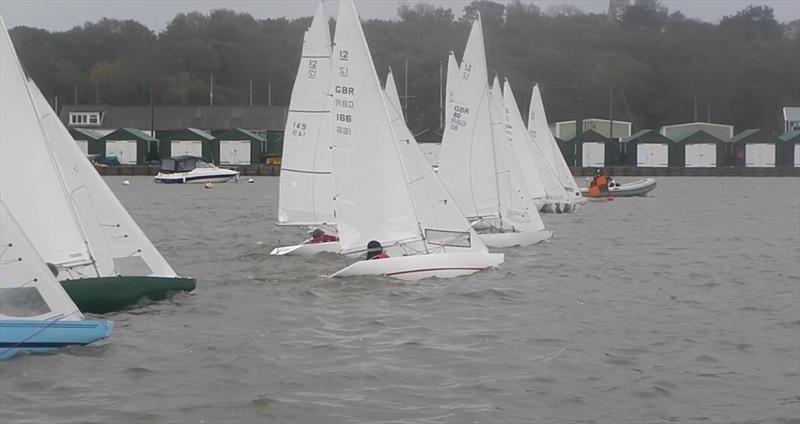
(375, 250)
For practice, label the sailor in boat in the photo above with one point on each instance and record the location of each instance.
(599, 184)
(319, 236)
(375, 251)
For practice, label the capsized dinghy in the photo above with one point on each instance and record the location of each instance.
(615, 189)
(36, 315)
(306, 193)
(385, 190)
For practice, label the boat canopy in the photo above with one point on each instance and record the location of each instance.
(183, 164)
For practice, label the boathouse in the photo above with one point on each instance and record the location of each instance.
(753, 148)
(697, 149)
(592, 149)
(84, 137)
(237, 147)
(646, 148)
(788, 146)
(185, 142)
(129, 145)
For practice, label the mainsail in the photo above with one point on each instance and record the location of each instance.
(466, 162)
(30, 185)
(118, 244)
(375, 200)
(543, 137)
(305, 183)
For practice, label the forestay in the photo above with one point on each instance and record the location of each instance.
(305, 183)
(544, 139)
(28, 290)
(374, 199)
(446, 229)
(30, 185)
(118, 244)
(466, 162)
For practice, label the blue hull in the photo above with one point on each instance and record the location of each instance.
(43, 336)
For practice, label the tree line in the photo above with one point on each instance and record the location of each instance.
(647, 65)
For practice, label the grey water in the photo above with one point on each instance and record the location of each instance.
(683, 306)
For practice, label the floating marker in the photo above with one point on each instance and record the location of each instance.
(126, 182)
(208, 185)
(250, 180)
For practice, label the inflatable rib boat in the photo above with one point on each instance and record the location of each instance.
(636, 188)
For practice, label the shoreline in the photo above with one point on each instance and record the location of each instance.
(617, 171)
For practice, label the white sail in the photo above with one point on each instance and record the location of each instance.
(453, 72)
(29, 183)
(435, 208)
(28, 289)
(466, 161)
(539, 175)
(392, 96)
(374, 199)
(305, 183)
(543, 137)
(116, 241)
(517, 209)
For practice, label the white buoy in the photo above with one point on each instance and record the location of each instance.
(126, 182)
(250, 180)
(208, 185)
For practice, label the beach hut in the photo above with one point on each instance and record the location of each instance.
(788, 149)
(84, 137)
(237, 147)
(753, 148)
(698, 149)
(128, 145)
(592, 149)
(646, 148)
(185, 142)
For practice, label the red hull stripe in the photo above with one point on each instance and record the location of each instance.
(434, 269)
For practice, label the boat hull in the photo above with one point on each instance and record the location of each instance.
(511, 239)
(185, 178)
(109, 294)
(42, 336)
(636, 188)
(306, 249)
(417, 267)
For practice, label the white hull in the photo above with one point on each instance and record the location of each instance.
(306, 249)
(636, 188)
(417, 267)
(501, 240)
(206, 176)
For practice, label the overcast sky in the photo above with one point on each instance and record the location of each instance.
(61, 15)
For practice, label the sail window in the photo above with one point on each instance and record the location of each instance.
(448, 238)
(22, 302)
(132, 265)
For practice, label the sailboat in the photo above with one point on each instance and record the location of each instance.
(381, 192)
(103, 259)
(36, 315)
(478, 163)
(306, 193)
(542, 136)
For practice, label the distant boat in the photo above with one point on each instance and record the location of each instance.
(191, 169)
(542, 137)
(36, 315)
(478, 163)
(101, 256)
(632, 189)
(306, 184)
(382, 192)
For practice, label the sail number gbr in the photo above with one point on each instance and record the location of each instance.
(459, 118)
(343, 120)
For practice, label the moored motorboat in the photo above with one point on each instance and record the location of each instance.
(191, 169)
(636, 188)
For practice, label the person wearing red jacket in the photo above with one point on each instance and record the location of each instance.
(375, 251)
(319, 236)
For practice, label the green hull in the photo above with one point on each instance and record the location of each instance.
(109, 294)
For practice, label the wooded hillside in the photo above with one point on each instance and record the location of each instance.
(744, 69)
